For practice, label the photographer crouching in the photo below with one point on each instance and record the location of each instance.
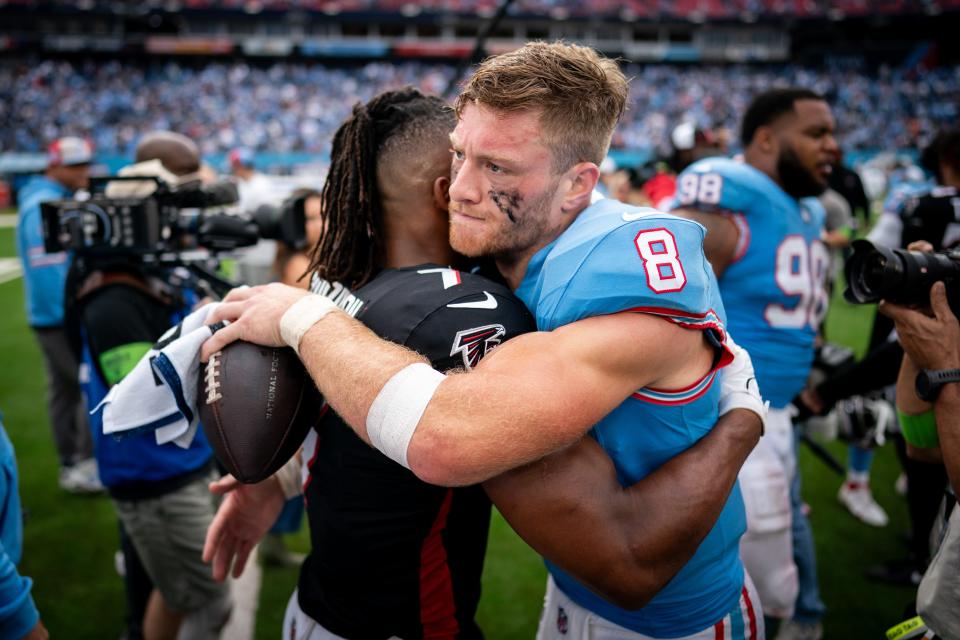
(122, 299)
(928, 401)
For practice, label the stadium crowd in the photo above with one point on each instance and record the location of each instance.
(296, 107)
(684, 9)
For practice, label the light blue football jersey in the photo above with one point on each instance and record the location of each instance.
(617, 258)
(774, 291)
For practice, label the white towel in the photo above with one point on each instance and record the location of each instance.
(160, 393)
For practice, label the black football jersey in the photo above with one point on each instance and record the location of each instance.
(934, 217)
(390, 554)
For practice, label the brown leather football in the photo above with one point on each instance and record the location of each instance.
(256, 405)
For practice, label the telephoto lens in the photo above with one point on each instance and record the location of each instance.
(875, 273)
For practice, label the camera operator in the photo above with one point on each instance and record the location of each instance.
(256, 189)
(931, 344)
(927, 215)
(44, 275)
(929, 404)
(292, 263)
(122, 306)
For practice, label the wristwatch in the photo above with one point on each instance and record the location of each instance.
(928, 382)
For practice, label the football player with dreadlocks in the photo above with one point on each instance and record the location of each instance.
(391, 554)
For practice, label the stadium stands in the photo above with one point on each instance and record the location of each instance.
(697, 10)
(290, 107)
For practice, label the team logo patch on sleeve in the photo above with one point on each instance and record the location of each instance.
(474, 344)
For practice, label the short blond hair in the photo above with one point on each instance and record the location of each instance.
(579, 94)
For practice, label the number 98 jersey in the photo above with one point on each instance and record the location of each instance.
(774, 289)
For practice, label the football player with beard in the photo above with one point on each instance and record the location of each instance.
(764, 242)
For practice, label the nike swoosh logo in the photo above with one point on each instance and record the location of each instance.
(487, 303)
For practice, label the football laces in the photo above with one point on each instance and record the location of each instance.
(212, 378)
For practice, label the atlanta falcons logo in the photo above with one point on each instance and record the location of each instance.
(473, 344)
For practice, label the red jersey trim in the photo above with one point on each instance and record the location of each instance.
(437, 607)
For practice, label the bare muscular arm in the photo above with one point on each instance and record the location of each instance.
(534, 395)
(720, 244)
(640, 536)
(931, 342)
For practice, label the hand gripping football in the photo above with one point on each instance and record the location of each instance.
(256, 405)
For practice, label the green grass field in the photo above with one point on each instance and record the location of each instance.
(70, 541)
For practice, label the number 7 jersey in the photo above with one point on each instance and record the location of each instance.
(774, 289)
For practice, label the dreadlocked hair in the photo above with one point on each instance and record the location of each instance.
(351, 246)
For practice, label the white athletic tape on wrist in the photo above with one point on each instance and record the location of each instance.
(739, 388)
(305, 312)
(397, 409)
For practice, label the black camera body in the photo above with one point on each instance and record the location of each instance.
(155, 234)
(875, 273)
(169, 220)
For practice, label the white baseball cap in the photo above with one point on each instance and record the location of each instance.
(67, 151)
(684, 136)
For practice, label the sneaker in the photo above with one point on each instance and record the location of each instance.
(81, 477)
(858, 499)
(900, 486)
(120, 564)
(796, 630)
(905, 572)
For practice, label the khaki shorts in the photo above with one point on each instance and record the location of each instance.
(168, 534)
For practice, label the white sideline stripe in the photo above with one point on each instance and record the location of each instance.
(10, 269)
(8, 220)
(246, 596)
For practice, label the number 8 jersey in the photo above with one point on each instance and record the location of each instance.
(616, 258)
(774, 288)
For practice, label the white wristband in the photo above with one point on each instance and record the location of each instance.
(305, 312)
(739, 388)
(397, 409)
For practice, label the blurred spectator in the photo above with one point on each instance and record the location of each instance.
(847, 183)
(68, 169)
(855, 493)
(291, 265)
(688, 143)
(255, 264)
(18, 614)
(254, 187)
(838, 224)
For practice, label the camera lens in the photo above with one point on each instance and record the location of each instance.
(905, 277)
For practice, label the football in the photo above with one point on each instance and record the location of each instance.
(256, 405)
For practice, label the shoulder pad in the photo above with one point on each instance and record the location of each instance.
(452, 317)
(644, 261)
(718, 184)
